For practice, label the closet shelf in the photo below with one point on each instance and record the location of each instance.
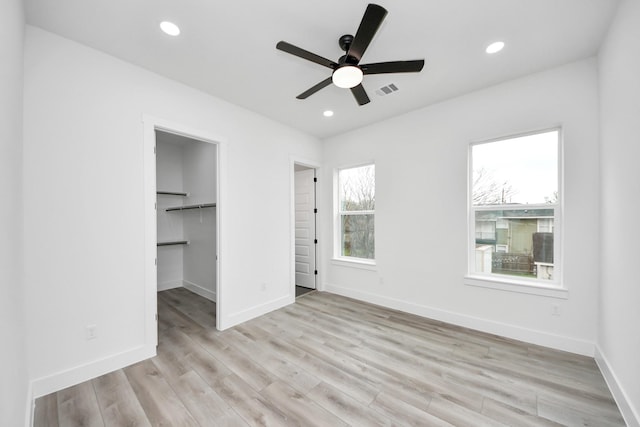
(185, 207)
(176, 242)
(172, 193)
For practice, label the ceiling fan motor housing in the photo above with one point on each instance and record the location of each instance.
(345, 41)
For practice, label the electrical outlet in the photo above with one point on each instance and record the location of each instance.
(92, 332)
(555, 309)
(264, 286)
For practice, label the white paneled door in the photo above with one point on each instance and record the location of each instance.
(305, 228)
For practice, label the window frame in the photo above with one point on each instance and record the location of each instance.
(338, 258)
(552, 288)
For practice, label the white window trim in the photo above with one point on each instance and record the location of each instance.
(519, 286)
(338, 259)
(553, 288)
(362, 263)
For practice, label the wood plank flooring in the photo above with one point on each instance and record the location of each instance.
(332, 361)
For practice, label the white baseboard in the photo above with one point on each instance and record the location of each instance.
(202, 291)
(169, 284)
(630, 414)
(67, 378)
(545, 339)
(234, 319)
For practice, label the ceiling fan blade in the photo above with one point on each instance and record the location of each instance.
(360, 94)
(307, 93)
(393, 67)
(305, 54)
(371, 21)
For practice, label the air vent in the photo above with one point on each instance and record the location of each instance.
(386, 90)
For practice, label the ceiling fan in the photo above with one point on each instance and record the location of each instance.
(348, 72)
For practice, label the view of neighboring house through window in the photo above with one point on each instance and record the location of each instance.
(356, 211)
(515, 207)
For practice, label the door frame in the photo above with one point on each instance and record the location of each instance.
(293, 161)
(151, 125)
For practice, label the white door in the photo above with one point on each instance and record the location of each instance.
(305, 229)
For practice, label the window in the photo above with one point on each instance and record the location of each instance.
(515, 209)
(356, 188)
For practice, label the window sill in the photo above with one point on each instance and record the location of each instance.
(516, 286)
(355, 263)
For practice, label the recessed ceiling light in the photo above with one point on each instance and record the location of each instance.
(170, 28)
(328, 113)
(495, 47)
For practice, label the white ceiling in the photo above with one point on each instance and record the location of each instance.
(227, 48)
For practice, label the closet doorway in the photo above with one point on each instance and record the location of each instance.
(187, 221)
(305, 229)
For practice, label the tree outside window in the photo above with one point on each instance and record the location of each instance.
(356, 211)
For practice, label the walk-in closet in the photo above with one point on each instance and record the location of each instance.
(186, 183)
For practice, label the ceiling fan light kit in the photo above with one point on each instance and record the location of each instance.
(347, 76)
(348, 73)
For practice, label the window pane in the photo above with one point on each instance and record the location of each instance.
(358, 236)
(357, 188)
(515, 242)
(521, 170)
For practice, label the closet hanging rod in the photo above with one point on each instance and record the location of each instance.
(177, 242)
(200, 206)
(172, 193)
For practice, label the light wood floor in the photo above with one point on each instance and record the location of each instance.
(332, 361)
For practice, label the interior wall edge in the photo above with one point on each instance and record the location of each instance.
(618, 316)
(630, 414)
(30, 406)
(76, 375)
(545, 339)
(15, 405)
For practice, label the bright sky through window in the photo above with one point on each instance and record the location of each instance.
(528, 164)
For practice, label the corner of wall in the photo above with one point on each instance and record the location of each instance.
(629, 413)
(617, 345)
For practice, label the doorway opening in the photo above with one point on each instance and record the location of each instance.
(305, 229)
(182, 190)
(186, 192)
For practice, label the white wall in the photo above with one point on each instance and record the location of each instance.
(619, 299)
(13, 367)
(84, 213)
(199, 171)
(421, 208)
(170, 224)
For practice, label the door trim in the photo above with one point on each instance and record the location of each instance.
(151, 124)
(307, 179)
(293, 160)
